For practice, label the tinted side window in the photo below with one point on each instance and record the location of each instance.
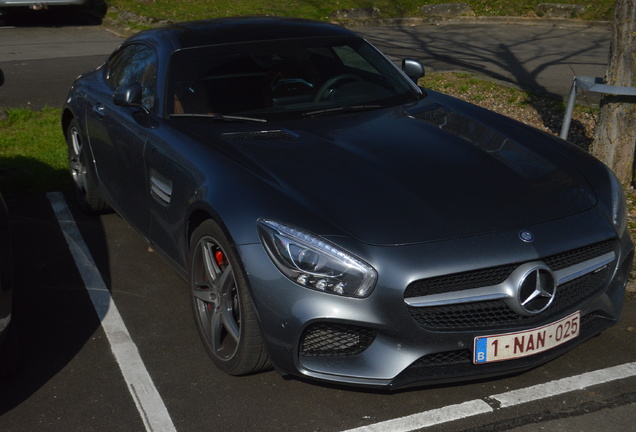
(353, 59)
(135, 63)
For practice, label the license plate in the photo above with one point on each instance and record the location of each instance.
(521, 344)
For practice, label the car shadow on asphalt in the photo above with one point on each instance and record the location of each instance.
(52, 313)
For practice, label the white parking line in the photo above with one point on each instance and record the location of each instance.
(565, 385)
(151, 408)
(429, 418)
(512, 398)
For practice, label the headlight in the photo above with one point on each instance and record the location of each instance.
(315, 263)
(619, 206)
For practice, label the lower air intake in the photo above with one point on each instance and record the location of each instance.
(335, 340)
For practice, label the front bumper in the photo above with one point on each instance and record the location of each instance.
(380, 341)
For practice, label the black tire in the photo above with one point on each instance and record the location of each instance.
(89, 198)
(10, 354)
(222, 306)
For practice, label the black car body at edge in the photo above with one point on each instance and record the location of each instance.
(6, 279)
(6, 270)
(338, 222)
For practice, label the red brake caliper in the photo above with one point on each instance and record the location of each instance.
(220, 258)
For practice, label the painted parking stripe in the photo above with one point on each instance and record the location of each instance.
(429, 418)
(151, 408)
(505, 400)
(565, 385)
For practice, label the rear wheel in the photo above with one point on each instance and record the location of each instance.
(85, 190)
(223, 309)
(10, 355)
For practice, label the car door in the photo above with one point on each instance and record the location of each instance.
(118, 135)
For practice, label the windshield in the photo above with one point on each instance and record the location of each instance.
(284, 79)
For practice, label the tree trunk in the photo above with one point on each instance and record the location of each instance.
(615, 135)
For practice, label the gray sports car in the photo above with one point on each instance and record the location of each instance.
(337, 221)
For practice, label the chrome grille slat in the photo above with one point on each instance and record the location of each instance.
(496, 314)
(503, 290)
(581, 273)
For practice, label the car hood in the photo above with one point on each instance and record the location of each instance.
(394, 177)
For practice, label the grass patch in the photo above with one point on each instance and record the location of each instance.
(501, 97)
(186, 10)
(495, 95)
(32, 153)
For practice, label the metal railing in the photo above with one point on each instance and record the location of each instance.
(591, 84)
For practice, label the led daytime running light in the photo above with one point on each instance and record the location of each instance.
(315, 263)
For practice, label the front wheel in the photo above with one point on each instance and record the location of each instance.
(222, 306)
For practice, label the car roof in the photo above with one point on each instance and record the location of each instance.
(239, 30)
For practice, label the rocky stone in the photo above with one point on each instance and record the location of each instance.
(446, 10)
(126, 16)
(560, 10)
(360, 13)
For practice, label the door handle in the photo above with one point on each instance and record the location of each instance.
(98, 109)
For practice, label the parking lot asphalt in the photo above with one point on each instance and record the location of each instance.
(619, 417)
(69, 380)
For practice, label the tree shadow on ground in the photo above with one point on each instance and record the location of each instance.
(502, 53)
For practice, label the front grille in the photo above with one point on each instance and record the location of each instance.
(451, 365)
(576, 256)
(335, 340)
(459, 281)
(497, 314)
(465, 316)
(444, 358)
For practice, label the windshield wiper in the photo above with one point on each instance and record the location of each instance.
(345, 108)
(222, 117)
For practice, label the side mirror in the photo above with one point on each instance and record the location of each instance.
(1, 77)
(413, 69)
(129, 95)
